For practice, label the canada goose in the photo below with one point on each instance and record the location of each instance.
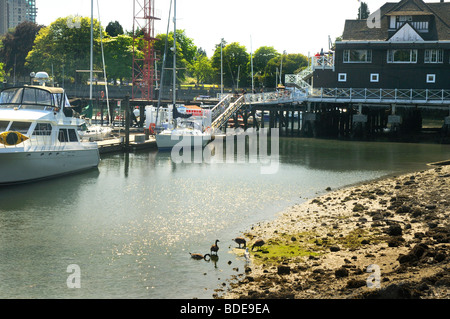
(240, 241)
(199, 256)
(215, 248)
(258, 243)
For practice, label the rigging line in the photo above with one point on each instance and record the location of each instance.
(104, 66)
(164, 64)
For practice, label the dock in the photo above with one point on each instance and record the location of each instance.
(138, 142)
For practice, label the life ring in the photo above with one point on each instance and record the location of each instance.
(151, 128)
(12, 138)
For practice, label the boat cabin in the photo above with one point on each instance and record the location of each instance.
(39, 113)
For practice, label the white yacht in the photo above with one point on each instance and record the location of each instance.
(186, 134)
(38, 136)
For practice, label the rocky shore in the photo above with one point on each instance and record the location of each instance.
(384, 239)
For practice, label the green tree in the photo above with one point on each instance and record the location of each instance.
(15, 47)
(119, 57)
(292, 63)
(65, 48)
(186, 53)
(201, 68)
(114, 29)
(236, 64)
(363, 11)
(261, 58)
(2, 73)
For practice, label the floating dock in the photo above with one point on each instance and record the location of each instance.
(118, 144)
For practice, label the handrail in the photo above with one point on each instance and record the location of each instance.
(225, 116)
(386, 95)
(220, 107)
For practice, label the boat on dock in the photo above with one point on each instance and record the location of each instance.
(186, 128)
(183, 126)
(39, 136)
(93, 133)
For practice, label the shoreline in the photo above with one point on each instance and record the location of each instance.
(385, 238)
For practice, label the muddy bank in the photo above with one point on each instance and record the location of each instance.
(384, 239)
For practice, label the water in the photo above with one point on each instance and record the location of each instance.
(130, 225)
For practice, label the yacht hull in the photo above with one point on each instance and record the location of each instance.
(27, 165)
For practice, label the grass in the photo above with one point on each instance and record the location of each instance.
(296, 246)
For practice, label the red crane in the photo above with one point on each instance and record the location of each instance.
(144, 73)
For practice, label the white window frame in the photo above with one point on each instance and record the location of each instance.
(431, 78)
(374, 77)
(342, 77)
(347, 55)
(434, 56)
(412, 53)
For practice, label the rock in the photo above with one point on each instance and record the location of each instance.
(394, 230)
(341, 272)
(401, 291)
(355, 283)
(440, 257)
(358, 208)
(335, 248)
(283, 270)
(403, 209)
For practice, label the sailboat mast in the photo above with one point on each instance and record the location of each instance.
(92, 50)
(174, 52)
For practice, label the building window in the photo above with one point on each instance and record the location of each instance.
(431, 78)
(374, 77)
(342, 77)
(357, 56)
(434, 56)
(402, 56)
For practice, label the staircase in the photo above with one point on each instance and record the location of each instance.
(299, 79)
(223, 111)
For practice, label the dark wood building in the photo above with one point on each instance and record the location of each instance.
(404, 45)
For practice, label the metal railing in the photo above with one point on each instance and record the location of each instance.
(432, 96)
(323, 62)
(228, 113)
(221, 106)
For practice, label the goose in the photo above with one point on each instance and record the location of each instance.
(240, 241)
(258, 243)
(215, 248)
(199, 256)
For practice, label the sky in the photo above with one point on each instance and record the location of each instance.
(294, 26)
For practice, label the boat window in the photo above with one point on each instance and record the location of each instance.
(73, 135)
(62, 136)
(43, 129)
(3, 125)
(34, 96)
(56, 99)
(11, 96)
(21, 127)
(66, 101)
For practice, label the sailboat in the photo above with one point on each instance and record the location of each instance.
(187, 129)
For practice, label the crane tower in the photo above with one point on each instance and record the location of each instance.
(144, 71)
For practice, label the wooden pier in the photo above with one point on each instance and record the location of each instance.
(138, 141)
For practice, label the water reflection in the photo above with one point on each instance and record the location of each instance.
(131, 224)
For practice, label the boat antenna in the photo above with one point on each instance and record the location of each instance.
(163, 64)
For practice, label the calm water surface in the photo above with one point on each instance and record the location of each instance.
(131, 224)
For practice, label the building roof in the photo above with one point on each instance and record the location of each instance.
(358, 30)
